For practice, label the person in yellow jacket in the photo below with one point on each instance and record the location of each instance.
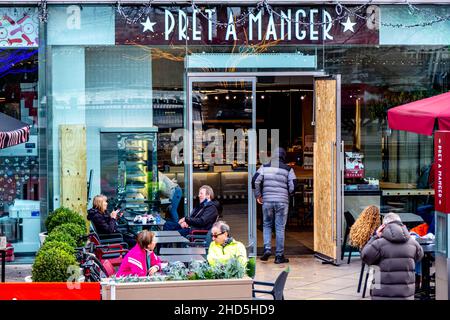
(225, 247)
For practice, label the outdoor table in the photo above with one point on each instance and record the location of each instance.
(185, 258)
(3, 253)
(149, 225)
(167, 233)
(176, 240)
(173, 239)
(182, 251)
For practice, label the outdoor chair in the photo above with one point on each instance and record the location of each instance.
(277, 286)
(114, 253)
(93, 237)
(361, 276)
(107, 238)
(110, 271)
(200, 238)
(349, 221)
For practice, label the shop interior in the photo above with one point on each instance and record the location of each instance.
(19, 165)
(283, 103)
(286, 104)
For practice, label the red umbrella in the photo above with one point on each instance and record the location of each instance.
(12, 131)
(420, 116)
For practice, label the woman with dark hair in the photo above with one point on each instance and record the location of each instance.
(141, 259)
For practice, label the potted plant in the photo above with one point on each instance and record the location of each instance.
(54, 264)
(59, 217)
(177, 282)
(58, 235)
(63, 215)
(73, 230)
(54, 244)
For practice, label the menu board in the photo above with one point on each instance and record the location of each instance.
(354, 167)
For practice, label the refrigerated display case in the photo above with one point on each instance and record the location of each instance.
(131, 164)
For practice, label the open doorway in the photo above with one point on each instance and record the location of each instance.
(285, 103)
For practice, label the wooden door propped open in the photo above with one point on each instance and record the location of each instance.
(327, 171)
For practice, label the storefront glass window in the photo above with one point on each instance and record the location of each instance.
(375, 79)
(19, 165)
(122, 102)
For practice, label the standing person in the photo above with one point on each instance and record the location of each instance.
(106, 222)
(395, 252)
(141, 260)
(171, 190)
(202, 216)
(273, 184)
(224, 247)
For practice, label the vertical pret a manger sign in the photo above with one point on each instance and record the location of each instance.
(442, 168)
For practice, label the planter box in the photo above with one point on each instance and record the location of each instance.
(220, 289)
(42, 237)
(49, 291)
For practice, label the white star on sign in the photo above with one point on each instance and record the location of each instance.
(348, 25)
(148, 25)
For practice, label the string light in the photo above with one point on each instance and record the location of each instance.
(43, 11)
(141, 11)
(342, 11)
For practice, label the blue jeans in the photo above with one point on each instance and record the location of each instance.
(176, 198)
(274, 212)
(169, 225)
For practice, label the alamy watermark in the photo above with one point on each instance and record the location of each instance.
(215, 147)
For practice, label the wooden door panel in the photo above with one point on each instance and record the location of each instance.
(324, 169)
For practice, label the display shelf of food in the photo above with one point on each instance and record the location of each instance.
(137, 183)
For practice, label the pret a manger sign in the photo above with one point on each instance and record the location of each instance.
(442, 171)
(247, 25)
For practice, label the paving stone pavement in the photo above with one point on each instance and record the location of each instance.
(309, 279)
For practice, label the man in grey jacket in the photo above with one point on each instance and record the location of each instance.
(395, 253)
(273, 184)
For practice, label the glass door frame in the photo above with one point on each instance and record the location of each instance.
(188, 149)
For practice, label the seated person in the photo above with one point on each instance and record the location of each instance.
(202, 216)
(105, 222)
(170, 189)
(225, 247)
(141, 260)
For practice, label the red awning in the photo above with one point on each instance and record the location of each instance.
(420, 116)
(12, 131)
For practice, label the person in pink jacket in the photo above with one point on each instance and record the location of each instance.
(141, 260)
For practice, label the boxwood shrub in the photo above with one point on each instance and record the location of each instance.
(63, 215)
(62, 237)
(57, 244)
(53, 264)
(72, 229)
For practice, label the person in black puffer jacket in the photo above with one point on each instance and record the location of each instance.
(106, 222)
(202, 216)
(395, 252)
